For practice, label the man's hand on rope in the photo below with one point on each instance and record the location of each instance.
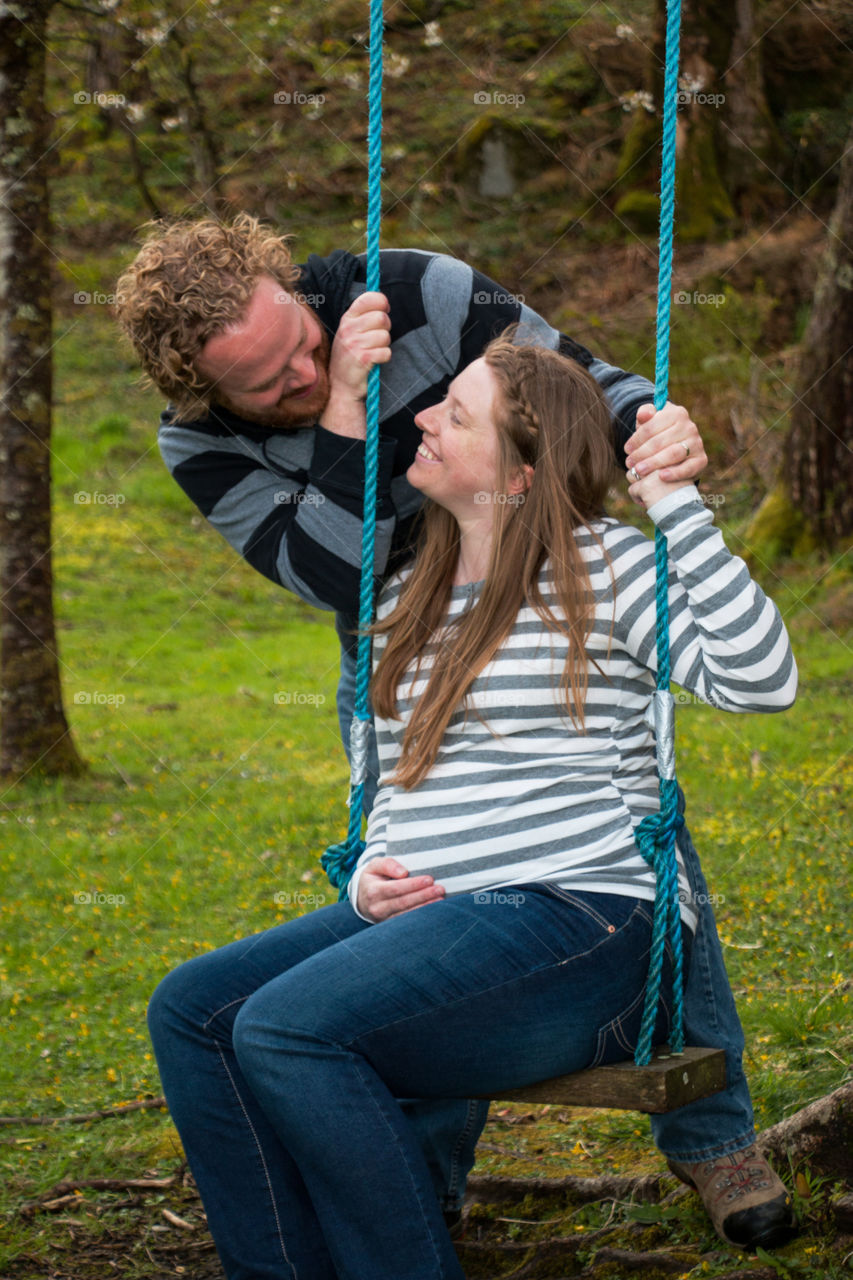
(362, 340)
(664, 453)
(386, 889)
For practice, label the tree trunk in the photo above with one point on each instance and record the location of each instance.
(818, 468)
(724, 125)
(34, 734)
(821, 1136)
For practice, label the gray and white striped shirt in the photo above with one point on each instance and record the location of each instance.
(517, 793)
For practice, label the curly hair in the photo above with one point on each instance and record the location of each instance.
(188, 282)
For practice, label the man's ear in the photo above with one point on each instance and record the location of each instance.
(521, 479)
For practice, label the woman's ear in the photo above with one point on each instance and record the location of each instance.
(521, 479)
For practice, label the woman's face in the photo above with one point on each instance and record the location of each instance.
(457, 460)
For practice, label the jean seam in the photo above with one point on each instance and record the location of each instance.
(366, 1084)
(260, 1151)
(240, 1000)
(464, 1134)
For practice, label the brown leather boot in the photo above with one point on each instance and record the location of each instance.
(747, 1203)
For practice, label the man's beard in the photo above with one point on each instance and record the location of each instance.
(290, 412)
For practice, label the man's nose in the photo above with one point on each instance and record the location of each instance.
(302, 371)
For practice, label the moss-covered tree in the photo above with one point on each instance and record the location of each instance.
(34, 734)
(818, 467)
(726, 143)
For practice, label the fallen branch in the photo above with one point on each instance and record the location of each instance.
(821, 1135)
(65, 1193)
(102, 1114)
(490, 1189)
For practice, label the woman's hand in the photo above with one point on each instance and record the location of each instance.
(386, 889)
(665, 453)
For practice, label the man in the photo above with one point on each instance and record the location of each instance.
(243, 342)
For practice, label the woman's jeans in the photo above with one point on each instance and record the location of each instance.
(283, 1058)
(702, 1130)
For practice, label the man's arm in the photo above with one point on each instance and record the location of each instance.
(289, 502)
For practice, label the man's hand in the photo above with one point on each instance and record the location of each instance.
(362, 340)
(385, 889)
(665, 452)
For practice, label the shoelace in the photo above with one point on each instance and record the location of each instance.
(732, 1181)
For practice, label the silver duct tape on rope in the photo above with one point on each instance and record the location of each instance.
(359, 731)
(660, 717)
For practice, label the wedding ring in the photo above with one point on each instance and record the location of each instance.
(686, 447)
(635, 473)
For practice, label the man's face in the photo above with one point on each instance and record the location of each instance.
(272, 365)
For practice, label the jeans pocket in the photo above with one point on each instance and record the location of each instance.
(581, 902)
(617, 1039)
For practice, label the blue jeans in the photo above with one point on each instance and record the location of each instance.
(283, 1058)
(702, 1130)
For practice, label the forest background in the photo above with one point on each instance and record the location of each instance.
(522, 138)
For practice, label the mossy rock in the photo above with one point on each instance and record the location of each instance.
(777, 530)
(503, 150)
(640, 210)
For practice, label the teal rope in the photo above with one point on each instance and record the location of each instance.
(656, 834)
(339, 860)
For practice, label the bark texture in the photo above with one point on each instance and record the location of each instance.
(34, 734)
(818, 469)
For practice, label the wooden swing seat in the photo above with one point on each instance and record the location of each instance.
(669, 1081)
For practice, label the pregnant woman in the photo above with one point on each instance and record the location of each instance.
(499, 919)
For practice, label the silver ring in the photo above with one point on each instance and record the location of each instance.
(635, 473)
(686, 447)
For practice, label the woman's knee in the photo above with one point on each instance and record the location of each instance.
(179, 1000)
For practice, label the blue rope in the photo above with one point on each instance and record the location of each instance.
(339, 860)
(656, 834)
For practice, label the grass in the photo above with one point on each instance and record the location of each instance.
(209, 800)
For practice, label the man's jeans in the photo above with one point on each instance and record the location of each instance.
(283, 1058)
(710, 1127)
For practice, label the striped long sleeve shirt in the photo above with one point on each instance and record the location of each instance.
(290, 501)
(517, 794)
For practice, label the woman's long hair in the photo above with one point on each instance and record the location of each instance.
(550, 414)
